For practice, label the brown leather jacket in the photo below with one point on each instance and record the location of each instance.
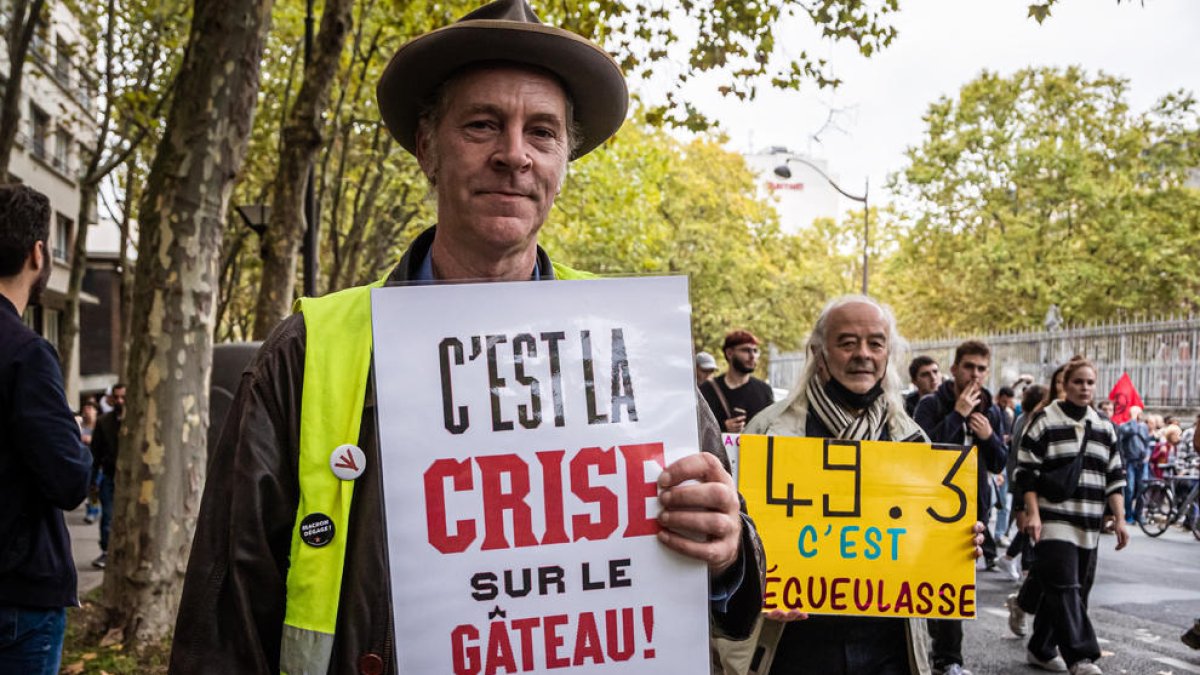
(231, 613)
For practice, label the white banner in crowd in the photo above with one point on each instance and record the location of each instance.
(523, 426)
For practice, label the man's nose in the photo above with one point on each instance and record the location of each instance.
(512, 151)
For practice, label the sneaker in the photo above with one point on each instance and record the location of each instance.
(951, 669)
(101, 562)
(1085, 667)
(1192, 637)
(89, 519)
(1054, 665)
(989, 564)
(1010, 567)
(1016, 617)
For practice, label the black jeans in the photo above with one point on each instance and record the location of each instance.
(946, 636)
(1065, 574)
(843, 645)
(1021, 546)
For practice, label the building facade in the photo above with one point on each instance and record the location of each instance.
(58, 120)
(799, 199)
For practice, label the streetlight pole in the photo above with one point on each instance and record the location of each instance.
(784, 172)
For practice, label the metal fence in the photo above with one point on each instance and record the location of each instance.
(1160, 356)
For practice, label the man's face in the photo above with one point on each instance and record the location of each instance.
(928, 379)
(117, 399)
(1106, 407)
(497, 157)
(1005, 402)
(743, 358)
(856, 347)
(970, 368)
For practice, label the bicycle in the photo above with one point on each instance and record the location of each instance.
(1160, 509)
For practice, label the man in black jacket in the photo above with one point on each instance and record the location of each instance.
(961, 411)
(923, 373)
(104, 452)
(44, 467)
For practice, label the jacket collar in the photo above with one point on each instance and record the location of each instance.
(7, 306)
(410, 264)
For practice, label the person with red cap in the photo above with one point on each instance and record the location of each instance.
(736, 396)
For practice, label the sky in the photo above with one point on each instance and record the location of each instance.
(941, 45)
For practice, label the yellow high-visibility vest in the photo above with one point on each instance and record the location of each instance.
(337, 362)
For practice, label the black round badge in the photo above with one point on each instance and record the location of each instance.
(316, 529)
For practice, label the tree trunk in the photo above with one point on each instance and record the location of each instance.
(160, 469)
(301, 141)
(69, 330)
(126, 282)
(22, 23)
(96, 168)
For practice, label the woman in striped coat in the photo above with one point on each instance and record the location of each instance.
(1067, 532)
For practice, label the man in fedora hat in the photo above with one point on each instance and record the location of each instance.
(493, 107)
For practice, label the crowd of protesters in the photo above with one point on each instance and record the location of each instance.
(495, 97)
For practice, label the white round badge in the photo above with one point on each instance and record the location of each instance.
(347, 462)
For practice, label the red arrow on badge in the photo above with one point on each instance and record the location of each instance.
(346, 461)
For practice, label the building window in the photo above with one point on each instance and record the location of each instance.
(37, 45)
(50, 326)
(62, 62)
(39, 129)
(62, 150)
(63, 228)
(86, 91)
(83, 159)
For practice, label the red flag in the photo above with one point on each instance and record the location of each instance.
(1123, 396)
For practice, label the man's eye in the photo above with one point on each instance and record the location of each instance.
(545, 132)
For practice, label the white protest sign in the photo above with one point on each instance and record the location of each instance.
(522, 428)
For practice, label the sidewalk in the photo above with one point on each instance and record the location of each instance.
(85, 546)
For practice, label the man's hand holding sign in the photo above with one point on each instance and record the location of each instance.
(700, 519)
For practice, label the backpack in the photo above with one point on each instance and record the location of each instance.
(1135, 442)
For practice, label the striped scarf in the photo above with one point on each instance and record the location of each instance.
(867, 425)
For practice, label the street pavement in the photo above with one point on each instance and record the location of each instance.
(85, 546)
(1144, 598)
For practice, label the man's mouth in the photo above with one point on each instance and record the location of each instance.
(503, 193)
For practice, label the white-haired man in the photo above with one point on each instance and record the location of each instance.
(493, 107)
(850, 389)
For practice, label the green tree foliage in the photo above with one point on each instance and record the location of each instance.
(370, 193)
(1044, 187)
(649, 204)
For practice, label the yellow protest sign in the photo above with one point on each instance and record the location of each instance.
(870, 528)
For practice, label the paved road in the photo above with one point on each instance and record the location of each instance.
(85, 546)
(1145, 596)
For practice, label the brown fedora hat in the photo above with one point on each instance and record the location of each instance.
(504, 30)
